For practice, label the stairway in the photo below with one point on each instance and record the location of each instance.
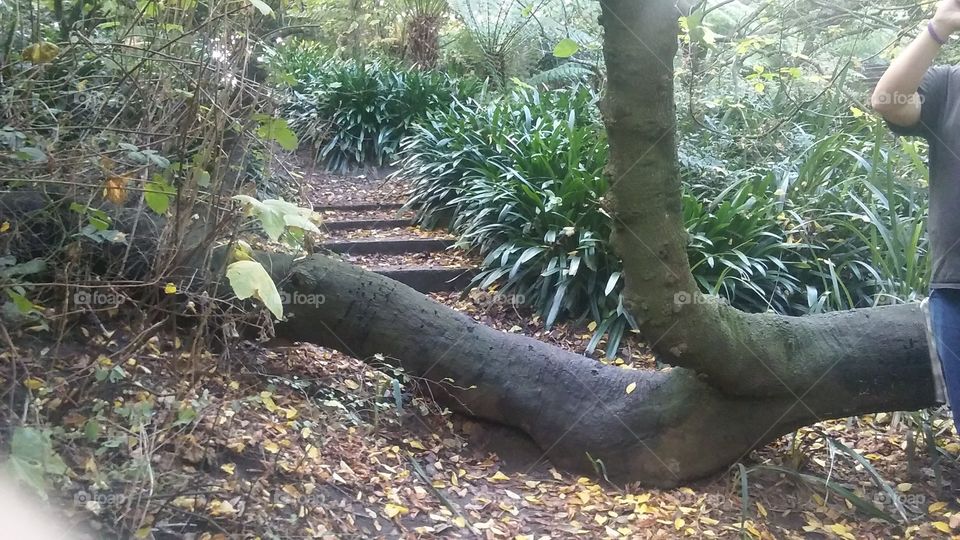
(381, 237)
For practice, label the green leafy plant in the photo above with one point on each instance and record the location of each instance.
(279, 220)
(355, 113)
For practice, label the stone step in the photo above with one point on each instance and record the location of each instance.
(354, 224)
(357, 207)
(389, 246)
(428, 279)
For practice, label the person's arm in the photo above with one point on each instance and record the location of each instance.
(896, 97)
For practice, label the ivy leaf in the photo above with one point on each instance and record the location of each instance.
(565, 48)
(250, 279)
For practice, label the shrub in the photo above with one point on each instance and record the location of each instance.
(521, 179)
(354, 113)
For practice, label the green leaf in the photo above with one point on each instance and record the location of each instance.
(31, 154)
(250, 279)
(32, 458)
(158, 194)
(201, 176)
(91, 430)
(276, 215)
(276, 129)
(565, 48)
(301, 222)
(21, 302)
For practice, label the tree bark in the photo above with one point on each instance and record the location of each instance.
(672, 428)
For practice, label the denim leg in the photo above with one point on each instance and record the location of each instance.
(945, 317)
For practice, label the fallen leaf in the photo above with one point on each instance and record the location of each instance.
(499, 477)
(393, 510)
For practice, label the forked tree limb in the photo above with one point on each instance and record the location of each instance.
(741, 354)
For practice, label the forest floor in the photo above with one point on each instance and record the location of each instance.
(294, 440)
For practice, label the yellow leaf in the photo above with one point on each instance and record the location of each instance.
(312, 452)
(941, 526)
(40, 53)
(459, 522)
(761, 509)
(4, 227)
(268, 401)
(228, 468)
(499, 477)
(904, 487)
(678, 523)
(631, 387)
(838, 528)
(857, 113)
(351, 384)
(592, 326)
(936, 507)
(393, 510)
(185, 502)
(33, 383)
(271, 447)
(115, 189)
(222, 508)
(416, 444)
(170, 288)
(234, 385)
(290, 413)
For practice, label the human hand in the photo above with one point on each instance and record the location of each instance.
(946, 20)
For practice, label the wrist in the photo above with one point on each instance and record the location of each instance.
(940, 29)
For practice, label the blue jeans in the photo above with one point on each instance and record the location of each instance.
(945, 319)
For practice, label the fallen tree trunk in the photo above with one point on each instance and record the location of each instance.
(672, 428)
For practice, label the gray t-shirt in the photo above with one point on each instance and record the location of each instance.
(940, 125)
